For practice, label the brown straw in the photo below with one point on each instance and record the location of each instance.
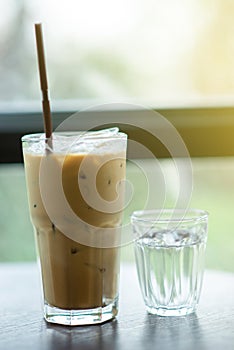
(44, 85)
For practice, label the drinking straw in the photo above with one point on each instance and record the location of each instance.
(44, 85)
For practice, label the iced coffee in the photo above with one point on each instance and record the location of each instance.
(76, 198)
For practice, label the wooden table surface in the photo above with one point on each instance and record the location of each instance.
(22, 325)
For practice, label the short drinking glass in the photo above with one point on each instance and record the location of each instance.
(169, 251)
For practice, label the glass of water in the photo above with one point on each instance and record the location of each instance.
(169, 251)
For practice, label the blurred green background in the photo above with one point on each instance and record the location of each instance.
(213, 190)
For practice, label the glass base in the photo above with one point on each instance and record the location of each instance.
(81, 317)
(160, 311)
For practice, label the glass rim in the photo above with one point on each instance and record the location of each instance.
(150, 216)
(108, 134)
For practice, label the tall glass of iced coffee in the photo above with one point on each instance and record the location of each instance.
(76, 199)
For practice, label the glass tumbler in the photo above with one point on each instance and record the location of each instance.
(76, 194)
(169, 252)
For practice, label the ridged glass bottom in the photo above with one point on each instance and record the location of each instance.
(97, 315)
(182, 311)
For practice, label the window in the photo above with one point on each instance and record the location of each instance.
(164, 53)
(173, 55)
